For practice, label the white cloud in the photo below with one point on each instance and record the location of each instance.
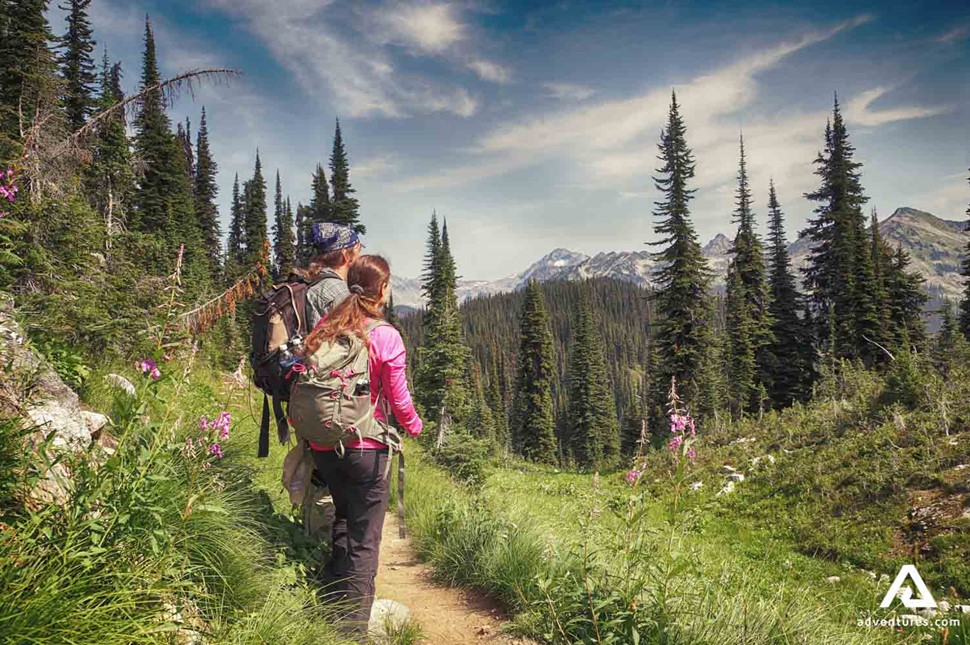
(949, 200)
(858, 110)
(332, 53)
(490, 71)
(376, 167)
(956, 34)
(431, 28)
(613, 142)
(568, 91)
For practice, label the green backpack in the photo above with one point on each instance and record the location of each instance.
(330, 400)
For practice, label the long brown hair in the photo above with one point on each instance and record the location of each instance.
(365, 278)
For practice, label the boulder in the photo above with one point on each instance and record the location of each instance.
(386, 613)
(944, 606)
(31, 389)
(735, 477)
(726, 489)
(833, 580)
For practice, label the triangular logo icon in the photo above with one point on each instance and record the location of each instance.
(923, 601)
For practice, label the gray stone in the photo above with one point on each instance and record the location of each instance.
(962, 609)
(833, 579)
(727, 470)
(735, 477)
(944, 606)
(384, 614)
(121, 383)
(95, 421)
(726, 489)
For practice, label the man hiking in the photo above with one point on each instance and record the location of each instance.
(337, 247)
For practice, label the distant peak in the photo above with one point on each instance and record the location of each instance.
(720, 245)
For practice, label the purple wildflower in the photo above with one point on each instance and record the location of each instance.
(675, 443)
(148, 366)
(216, 449)
(691, 453)
(633, 476)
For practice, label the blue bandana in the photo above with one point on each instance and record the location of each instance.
(328, 236)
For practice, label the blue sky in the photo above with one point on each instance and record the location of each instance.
(534, 125)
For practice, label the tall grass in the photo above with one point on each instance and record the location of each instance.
(156, 543)
(569, 590)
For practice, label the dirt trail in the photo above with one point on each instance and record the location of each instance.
(447, 615)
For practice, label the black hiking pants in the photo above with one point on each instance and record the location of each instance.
(360, 496)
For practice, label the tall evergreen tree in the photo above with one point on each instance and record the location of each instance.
(965, 304)
(205, 191)
(748, 317)
(304, 233)
(532, 425)
(593, 432)
(840, 274)
(77, 66)
(441, 379)
(345, 208)
(110, 178)
(790, 351)
(430, 280)
(283, 247)
(183, 137)
(682, 329)
(27, 66)
(164, 200)
(236, 245)
(255, 214)
(320, 207)
(496, 402)
(906, 299)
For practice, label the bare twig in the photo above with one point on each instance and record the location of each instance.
(888, 353)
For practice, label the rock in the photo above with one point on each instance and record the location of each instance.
(961, 467)
(386, 613)
(727, 470)
(944, 606)
(726, 489)
(735, 477)
(962, 609)
(696, 485)
(95, 421)
(833, 579)
(122, 383)
(929, 613)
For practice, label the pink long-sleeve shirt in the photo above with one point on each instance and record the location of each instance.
(388, 368)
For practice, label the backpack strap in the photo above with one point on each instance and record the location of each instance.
(402, 532)
(263, 449)
(282, 426)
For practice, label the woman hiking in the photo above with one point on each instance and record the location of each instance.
(358, 474)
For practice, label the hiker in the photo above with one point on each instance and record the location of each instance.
(337, 247)
(358, 473)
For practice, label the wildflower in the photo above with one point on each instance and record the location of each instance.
(691, 453)
(675, 443)
(216, 449)
(633, 476)
(148, 366)
(203, 424)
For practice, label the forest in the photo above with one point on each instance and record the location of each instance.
(585, 439)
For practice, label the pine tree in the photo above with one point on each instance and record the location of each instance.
(205, 191)
(111, 181)
(236, 246)
(304, 234)
(496, 401)
(481, 421)
(26, 67)
(442, 377)
(881, 261)
(532, 425)
(77, 66)
(632, 428)
(748, 317)
(947, 338)
(345, 209)
(254, 196)
(320, 207)
(164, 197)
(183, 137)
(906, 301)
(682, 330)
(430, 282)
(965, 304)
(390, 313)
(283, 248)
(790, 352)
(839, 274)
(593, 431)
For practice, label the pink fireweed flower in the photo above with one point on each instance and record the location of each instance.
(148, 366)
(678, 422)
(155, 374)
(691, 453)
(675, 443)
(216, 449)
(203, 424)
(633, 476)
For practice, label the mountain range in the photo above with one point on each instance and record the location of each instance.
(937, 248)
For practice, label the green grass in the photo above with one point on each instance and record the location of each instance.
(748, 567)
(153, 543)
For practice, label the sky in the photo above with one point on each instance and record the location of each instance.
(534, 125)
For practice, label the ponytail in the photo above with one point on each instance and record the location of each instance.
(365, 278)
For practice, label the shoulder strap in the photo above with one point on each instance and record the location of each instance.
(374, 324)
